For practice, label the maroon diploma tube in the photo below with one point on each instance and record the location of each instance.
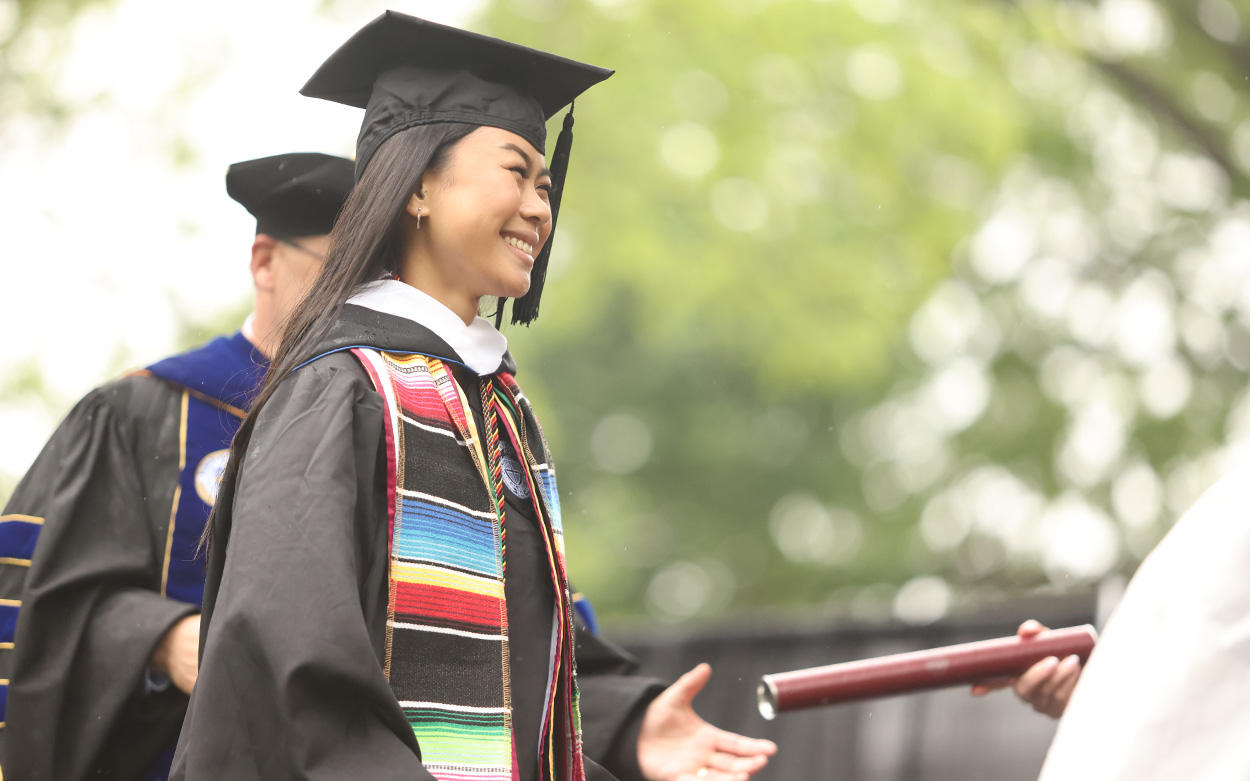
(919, 670)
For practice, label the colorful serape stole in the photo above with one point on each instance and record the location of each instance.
(501, 402)
(447, 628)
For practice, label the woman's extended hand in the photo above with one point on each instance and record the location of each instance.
(178, 654)
(1047, 685)
(674, 744)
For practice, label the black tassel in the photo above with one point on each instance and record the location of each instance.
(499, 313)
(525, 308)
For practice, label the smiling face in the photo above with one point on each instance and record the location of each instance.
(485, 215)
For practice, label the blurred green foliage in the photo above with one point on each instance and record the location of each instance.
(761, 199)
(33, 36)
(881, 304)
(745, 304)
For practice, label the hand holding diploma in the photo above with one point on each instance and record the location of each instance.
(906, 673)
(1047, 685)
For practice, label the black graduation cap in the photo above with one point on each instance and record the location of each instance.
(404, 72)
(298, 194)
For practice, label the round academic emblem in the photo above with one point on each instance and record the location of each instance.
(513, 474)
(208, 475)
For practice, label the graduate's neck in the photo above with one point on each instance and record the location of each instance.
(463, 305)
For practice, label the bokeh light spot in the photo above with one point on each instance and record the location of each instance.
(700, 95)
(1137, 495)
(1080, 541)
(1165, 389)
(689, 150)
(874, 73)
(806, 531)
(620, 443)
(1220, 20)
(922, 600)
(739, 204)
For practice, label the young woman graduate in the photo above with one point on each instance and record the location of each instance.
(387, 595)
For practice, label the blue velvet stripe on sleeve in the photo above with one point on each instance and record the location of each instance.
(17, 539)
(8, 620)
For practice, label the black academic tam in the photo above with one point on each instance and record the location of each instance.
(406, 72)
(296, 194)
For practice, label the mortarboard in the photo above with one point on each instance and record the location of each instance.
(297, 194)
(404, 72)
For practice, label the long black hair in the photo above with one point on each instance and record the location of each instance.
(366, 243)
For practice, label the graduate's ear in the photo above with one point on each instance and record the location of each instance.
(417, 207)
(262, 261)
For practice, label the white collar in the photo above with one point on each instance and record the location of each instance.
(479, 345)
(249, 328)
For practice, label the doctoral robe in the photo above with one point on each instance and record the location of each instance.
(97, 549)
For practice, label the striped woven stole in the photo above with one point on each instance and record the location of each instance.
(506, 397)
(447, 623)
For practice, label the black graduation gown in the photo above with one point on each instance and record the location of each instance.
(291, 681)
(91, 612)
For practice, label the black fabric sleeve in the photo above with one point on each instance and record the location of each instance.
(595, 772)
(129, 624)
(90, 614)
(614, 699)
(291, 684)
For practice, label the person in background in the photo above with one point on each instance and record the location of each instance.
(100, 581)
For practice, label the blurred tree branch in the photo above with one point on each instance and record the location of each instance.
(1237, 52)
(1146, 93)
(1154, 82)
